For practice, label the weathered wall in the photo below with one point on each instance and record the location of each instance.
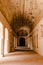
(10, 32)
(37, 38)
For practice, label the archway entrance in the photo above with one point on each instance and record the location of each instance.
(22, 42)
(1, 39)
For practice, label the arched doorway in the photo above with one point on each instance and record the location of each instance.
(1, 38)
(22, 42)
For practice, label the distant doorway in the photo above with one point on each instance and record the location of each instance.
(22, 42)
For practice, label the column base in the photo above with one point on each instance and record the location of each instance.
(1, 55)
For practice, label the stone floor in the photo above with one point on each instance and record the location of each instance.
(22, 48)
(22, 58)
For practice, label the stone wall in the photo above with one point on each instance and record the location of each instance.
(37, 38)
(10, 32)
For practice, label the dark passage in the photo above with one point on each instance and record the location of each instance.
(22, 41)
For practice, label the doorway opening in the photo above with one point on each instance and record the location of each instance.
(22, 42)
(1, 37)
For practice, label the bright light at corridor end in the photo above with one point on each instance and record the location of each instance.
(1, 36)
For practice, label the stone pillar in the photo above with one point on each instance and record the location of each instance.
(6, 43)
(8, 46)
(16, 41)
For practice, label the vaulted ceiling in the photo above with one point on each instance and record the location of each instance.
(22, 13)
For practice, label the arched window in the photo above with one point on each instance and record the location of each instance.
(6, 41)
(1, 35)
